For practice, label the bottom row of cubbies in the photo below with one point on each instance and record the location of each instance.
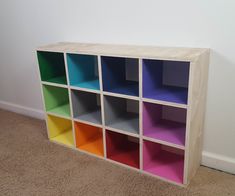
(158, 159)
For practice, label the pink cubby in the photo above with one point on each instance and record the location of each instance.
(165, 123)
(163, 161)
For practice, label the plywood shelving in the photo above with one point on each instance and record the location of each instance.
(138, 106)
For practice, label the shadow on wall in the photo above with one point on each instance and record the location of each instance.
(219, 128)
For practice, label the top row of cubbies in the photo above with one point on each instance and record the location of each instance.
(163, 80)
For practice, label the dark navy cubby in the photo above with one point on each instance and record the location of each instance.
(120, 75)
(166, 80)
(83, 71)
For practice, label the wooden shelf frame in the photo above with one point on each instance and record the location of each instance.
(193, 63)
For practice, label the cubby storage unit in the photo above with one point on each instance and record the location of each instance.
(122, 114)
(89, 138)
(164, 123)
(60, 130)
(52, 67)
(137, 106)
(56, 100)
(122, 148)
(166, 80)
(83, 71)
(120, 75)
(86, 106)
(163, 161)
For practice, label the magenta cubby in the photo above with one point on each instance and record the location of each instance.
(122, 148)
(163, 161)
(165, 123)
(166, 80)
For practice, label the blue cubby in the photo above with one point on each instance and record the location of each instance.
(120, 75)
(83, 71)
(166, 80)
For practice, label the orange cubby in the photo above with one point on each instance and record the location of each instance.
(89, 138)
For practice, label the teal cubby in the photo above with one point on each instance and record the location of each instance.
(83, 71)
(52, 67)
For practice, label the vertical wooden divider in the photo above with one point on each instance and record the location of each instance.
(70, 99)
(140, 114)
(102, 105)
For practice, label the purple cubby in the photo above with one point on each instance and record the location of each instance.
(164, 123)
(163, 161)
(166, 80)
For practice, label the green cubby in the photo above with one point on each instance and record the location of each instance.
(52, 67)
(56, 100)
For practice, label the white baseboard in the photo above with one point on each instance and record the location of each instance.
(219, 162)
(212, 160)
(39, 114)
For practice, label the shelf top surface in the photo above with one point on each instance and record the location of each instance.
(151, 52)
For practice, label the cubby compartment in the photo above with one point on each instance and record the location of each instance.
(163, 161)
(56, 100)
(52, 67)
(86, 106)
(165, 123)
(89, 138)
(60, 130)
(122, 114)
(166, 80)
(122, 148)
(120, 75)
(83, 71)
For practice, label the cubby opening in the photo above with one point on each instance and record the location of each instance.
(120, 75)
(121, 113)
(83, 71)
(122, 148)
(86, 106)
(89, 138)
(60, 130)
(165, 123)
(52, 67)
(166, 80)
(56, 100)
(163, 161)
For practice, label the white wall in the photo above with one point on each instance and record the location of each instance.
(27, 24)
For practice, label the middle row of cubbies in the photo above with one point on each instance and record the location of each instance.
(162, 80)
(160, 122)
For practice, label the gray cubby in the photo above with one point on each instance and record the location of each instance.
(121, 113)
(86, 106)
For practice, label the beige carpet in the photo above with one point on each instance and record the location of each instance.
(31, 165)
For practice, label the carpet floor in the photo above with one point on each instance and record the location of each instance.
(31, 165)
